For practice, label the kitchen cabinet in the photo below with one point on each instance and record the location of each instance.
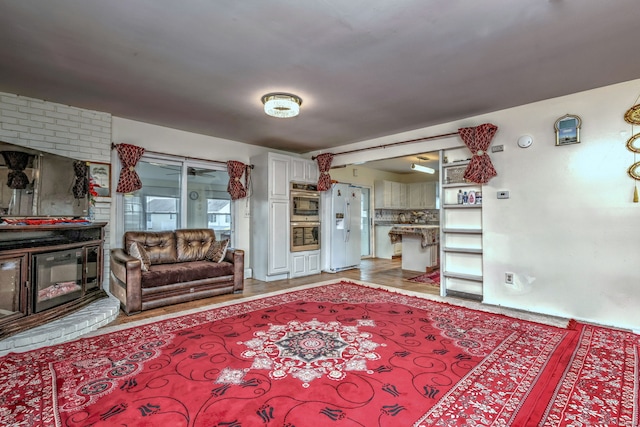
(382, 194)
(270, 255)
(305, 263)
(421, 195)
(461, 234)
(390, 195)
(398, 195)
(277, 175)
(304, 170)
(383, 246)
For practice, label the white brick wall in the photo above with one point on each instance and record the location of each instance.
(60, 129)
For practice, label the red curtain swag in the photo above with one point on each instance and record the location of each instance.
(236, 170)
(129, 155)
(480, 169)
(324, 164)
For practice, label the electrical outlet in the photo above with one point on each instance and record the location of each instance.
(503, 194)
(508, 278)
(497, 148)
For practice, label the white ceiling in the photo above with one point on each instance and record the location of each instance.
(364, 68)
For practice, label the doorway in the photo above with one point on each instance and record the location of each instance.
(366, 223)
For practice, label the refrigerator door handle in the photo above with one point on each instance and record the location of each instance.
(347, 219)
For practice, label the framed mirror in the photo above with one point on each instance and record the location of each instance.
(568, 129)
(35, 183)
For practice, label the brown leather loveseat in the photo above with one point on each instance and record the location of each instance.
(178, 269)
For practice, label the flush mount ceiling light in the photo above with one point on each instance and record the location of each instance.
(281, 105)
(421, 168)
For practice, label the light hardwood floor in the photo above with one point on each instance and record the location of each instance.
(375, 270)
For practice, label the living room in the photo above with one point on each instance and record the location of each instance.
(567, 233)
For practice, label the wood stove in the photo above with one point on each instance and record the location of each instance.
(47, 271)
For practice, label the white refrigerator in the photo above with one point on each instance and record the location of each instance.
(341, 228)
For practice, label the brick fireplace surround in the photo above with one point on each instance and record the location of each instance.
(87, 319)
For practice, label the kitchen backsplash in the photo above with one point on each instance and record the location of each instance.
(398, 216)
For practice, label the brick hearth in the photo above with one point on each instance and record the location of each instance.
(68, 328)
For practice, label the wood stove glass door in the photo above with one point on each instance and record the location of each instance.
(12, 295)
(57, 277)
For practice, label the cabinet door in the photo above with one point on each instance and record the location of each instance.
(303, 170)
(379, 190)
(278, 237)
(429, 195)
(421, 195)
(312, 173)
(13, 289)
(298, 267)
(384, 248)
(415, 195)
(398, 195)
(314, 262)
(298, 170)
(278, 176)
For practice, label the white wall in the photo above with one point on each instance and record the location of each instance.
(180, 143)
(570, 232)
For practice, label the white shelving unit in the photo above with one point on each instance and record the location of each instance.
(460, 231)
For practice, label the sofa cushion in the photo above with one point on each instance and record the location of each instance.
(193, 244)
(160, 245)
(217, 250)
(136, 250)
(167, 274)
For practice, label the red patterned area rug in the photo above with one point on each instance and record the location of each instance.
(432, 278)
(341, 354)
(600, 384)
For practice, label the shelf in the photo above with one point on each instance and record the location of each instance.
(464, 295)
(454, 164)
(467, 206)
(462, 250)
(470, 277)
(461, 184)
(462, 230)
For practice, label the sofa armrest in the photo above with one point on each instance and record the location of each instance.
(236, 257)
(125, 282)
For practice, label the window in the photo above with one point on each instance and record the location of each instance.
(179, 193)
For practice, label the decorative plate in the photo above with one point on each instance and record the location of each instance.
(632, 115)
(633, 143)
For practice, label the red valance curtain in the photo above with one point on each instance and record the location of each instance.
(480, 169)
(236, 170)
(324, 164)
(129, 155)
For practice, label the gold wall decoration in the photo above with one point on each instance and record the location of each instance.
(632, 116)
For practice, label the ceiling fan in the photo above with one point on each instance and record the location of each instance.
(191, 171)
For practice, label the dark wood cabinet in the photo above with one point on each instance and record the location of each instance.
(47, 271)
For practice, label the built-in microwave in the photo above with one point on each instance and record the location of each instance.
(305, 236)
(305, 203)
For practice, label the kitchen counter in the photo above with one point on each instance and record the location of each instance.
(420, 245)
(430, 234)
